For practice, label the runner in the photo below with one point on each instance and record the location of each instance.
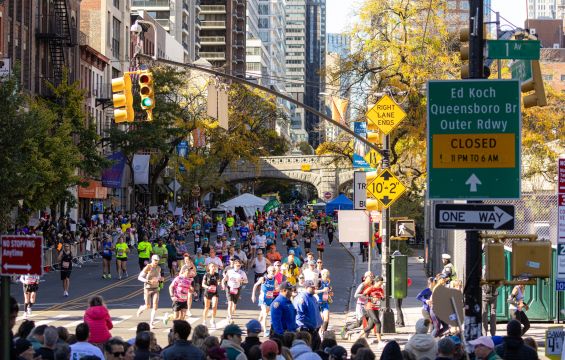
(375, 294)
(214, 259)
(325, 298)
(107, 248)
(200, 263)
(320, 245)
(31, 284)
(144, 249)
(122, 251)
(266, 296)
(234, 279)
(151, 277)
(260, 264)
(210, 284)
(65, 260)
(172, 256)
(330, 231)
(180, 291)
(161, 250)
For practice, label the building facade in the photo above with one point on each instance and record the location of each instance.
(546, 9)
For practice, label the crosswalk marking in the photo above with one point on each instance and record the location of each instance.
(50, 320)
(73, 324)
(23, 317)
(120, 319)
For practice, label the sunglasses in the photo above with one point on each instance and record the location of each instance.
(122, 353)
(319, 262)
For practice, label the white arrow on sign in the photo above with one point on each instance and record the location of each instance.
(473, 181)
(17, 267)
(497, 217)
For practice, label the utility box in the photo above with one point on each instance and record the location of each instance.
(399, 270)
(531, 259)
(494, 261)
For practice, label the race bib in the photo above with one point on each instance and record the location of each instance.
(200, 267)
(269, 295)
(325, 296)
(66, 264)
(212, 289)
(234, 291)
(120, 253)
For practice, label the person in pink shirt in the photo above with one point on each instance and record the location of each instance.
(98, 319)
(181, 291)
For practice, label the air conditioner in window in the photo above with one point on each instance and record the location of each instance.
(533, 31)
(556, 46)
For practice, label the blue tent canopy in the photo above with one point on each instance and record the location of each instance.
(341, 202)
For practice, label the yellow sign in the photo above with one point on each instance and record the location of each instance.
(386, 188)
(385, 115)
(453, 151)
(373, 158)
(305, 167)
(554, 341)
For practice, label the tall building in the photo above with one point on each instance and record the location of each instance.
(271, 25)
(337, 88)
(179, 18)
(546, 9)
(315, 65)
(458, 13)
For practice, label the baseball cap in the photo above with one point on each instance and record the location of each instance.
(338, 352)
(446, 256)
(485, 341)
(285, 285)
(456, 340)
(291, 252)
(309, 283)
(199, 250)
(155, 257)
(269, 347)
(311, 262)
(378, 278)
(232, 329)
(253, 326)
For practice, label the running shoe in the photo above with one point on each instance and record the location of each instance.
(28, 313)
(109, 276)
(139, 311)
(188, 313)
(120, 277)
(126, 274)
(212, 324)
(342, 333)
(166, 318)
(65, 293)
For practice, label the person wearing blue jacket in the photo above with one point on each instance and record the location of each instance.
(308, 316)
(283, 314)
(425, 297)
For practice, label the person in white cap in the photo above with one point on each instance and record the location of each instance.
(448, 268)
(151, 277)
(484, 348)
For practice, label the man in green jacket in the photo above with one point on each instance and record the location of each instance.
(484, 348)
(231, 342)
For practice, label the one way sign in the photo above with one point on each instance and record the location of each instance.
(474, 217)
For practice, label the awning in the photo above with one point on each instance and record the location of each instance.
(142, 189)
(94, 190)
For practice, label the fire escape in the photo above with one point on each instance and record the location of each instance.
(55, 28)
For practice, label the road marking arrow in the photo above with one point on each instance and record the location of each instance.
(497, 217)
(473, 181)
(17, 267)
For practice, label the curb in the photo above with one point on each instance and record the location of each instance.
(355, 276)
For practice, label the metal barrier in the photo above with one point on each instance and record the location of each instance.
(82, 253)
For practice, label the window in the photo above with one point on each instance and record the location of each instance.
(255, 67)
(548, 77)
(116, 28)
(562, 77)
(263, 9)
(263, 23)
(117, 4)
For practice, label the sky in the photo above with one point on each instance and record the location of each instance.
(340, 13)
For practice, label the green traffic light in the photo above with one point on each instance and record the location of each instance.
(146, 102)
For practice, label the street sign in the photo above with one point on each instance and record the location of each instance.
(406, 228)
(353, 226)
(373, 158)
(554, 339)
(174, 185)
(474, 217)
(521, 70)
(359, 190)
(182, 149)
(5, 67)
(513, 49)
(21, 255)
(474, 139)
(386, 188)
(328, 195)
(385, 115)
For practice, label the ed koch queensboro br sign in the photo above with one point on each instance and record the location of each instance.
(474, 139)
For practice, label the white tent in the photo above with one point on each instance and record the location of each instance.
(250, 203)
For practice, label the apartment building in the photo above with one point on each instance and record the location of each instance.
(546, 9)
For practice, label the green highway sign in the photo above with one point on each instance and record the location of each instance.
(513, 49)
(521, 70)
(474, 139)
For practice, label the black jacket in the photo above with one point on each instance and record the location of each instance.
(513, 348)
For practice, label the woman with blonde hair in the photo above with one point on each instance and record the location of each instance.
(324, 294)
(199, 335)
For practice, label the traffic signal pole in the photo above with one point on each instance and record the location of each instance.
(472, 292)
(388, 315)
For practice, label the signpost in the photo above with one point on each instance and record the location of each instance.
(513, 49)
(386, 188)
(385, 115)
(22, 255)
(359, 190)
(474, 217)
(474, 139)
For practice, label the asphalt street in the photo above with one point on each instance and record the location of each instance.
(123, 297)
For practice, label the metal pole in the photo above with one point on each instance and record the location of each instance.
(369, 257)
(472, 292)
(6, 317)
(498, 61)
(175, 185)
(388, 314)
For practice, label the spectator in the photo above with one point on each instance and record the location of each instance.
(99, 321)
(269, 350)
(513, 346)
(141, 327)
(252, 338)
(24, 329)
(209, 343)
(327, 344)
(63, 334)
(531, 343)
(484, 348)
(199, 335)
(445, 349)
(142, 344)
(231, 342)
(36, 336)
(63, 351)
(82, 347)
(391, 351)
(287, 339)
(23, 349)
(254, 353)
(114, 349)
(301, 349)
(47, 351)
(366, 354)
(216, 353)
(154, 347)
(182, 348)
(459, 352)
(337, 353)
(130, 351)
(422, 344)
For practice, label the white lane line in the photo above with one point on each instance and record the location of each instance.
(73, 324)
(50, 320)
(23, 317)
(219, 325)
(120, 319)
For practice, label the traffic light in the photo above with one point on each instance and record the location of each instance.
(531, 259)
(147, 94)
(374, 137)
(495, 266)
(122, 99)
(464, 51)
(534, 84)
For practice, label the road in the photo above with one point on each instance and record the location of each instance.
(123, 297)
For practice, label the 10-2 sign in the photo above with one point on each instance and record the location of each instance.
(386, 188)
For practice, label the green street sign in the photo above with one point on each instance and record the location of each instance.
(521, 70)
(474, 139)
(513, 49)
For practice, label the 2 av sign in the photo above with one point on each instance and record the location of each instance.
(21, 255)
